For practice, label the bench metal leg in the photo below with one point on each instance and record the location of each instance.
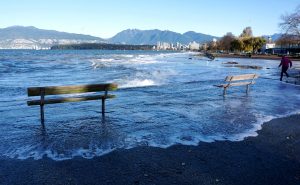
(224, 92)
(42, 91)
(247, 91)
(42, 115)
(103, 106)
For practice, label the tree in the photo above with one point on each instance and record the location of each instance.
(291, 23)
(237, 45)
(246, 38)
(257, 43)
(253, 44)
(225, 41)
(212, 46)
(287, 40)
(247, 32)
(248, 44)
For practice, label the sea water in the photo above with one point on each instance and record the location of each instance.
(164, 98)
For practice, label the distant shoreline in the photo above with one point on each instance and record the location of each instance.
(101, 46)
(266, 57)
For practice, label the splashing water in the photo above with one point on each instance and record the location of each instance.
(164, 98)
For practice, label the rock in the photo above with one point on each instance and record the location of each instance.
(230, 62)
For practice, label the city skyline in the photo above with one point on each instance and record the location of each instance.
(105, 19)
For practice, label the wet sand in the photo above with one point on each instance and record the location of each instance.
(273, 157)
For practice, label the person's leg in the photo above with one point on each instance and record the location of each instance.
(284, 69)
(287, 75)
(281, 75)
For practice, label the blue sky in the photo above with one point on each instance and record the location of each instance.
(105, 18)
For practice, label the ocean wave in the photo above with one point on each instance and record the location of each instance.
(175, 103)
(138, 83)
(38, 151)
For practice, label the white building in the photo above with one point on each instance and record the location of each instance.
(171, 46)
(163, 46)
(194, 46)
(269, 45)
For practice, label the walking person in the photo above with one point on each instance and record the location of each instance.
(285, 63)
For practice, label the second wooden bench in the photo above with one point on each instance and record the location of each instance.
(75, 89)
(238, 80)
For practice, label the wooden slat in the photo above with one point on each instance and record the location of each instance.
(54, 90)
(221, 85)
(71, 99)
(235, 84)
(241, 77)
(241, 83)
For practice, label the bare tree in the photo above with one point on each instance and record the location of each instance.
(291, 26)
(288, 40)
(225, 41)
(247, 32)
(291, 23)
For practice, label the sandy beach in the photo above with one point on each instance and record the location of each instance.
(273, 157)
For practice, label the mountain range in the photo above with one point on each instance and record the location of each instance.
(21, 37)
(135, 36)
(273, 37)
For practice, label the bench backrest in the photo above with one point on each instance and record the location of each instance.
(74, 89)
(241, 77)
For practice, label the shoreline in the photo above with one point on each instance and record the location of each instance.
(265, 57)
(272, 157)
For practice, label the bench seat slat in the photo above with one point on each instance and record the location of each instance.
(235, 84)
(241, 77)
(69, 99)
(74, 89)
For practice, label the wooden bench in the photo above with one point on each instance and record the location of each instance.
(238, 80)
(75, 89)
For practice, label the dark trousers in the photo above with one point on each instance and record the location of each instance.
(284, 70)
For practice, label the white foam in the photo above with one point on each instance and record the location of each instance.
(127, 60)
(145, 75)
(258, 125)
(37, 152)
(138, 83)
(123, 55)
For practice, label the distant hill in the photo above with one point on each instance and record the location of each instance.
(274, 37)
(199, 37)
(20, 37)
(30, 32)
(135, 36)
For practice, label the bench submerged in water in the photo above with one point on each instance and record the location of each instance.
(238, 80)
(75, 89)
